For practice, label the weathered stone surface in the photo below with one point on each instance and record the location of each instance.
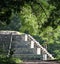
(22, 48)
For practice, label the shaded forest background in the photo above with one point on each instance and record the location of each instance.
(40, 18)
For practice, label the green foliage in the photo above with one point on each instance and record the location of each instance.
(15, 23)
(5, 60)
(7, 7)
(28, 20)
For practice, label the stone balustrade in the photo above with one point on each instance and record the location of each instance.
(24, 45)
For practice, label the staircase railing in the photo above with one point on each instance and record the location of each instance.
(42, 48)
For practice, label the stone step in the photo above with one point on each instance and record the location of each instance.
(24, 51)
(16, 44)
(20, 43)
(7, 38)
(27, 57)
(18, 37)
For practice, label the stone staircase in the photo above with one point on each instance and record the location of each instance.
(23, 50)
(25, 46)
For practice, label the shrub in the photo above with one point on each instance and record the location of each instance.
(6, 60)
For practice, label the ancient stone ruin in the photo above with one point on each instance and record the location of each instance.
(25, 46)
